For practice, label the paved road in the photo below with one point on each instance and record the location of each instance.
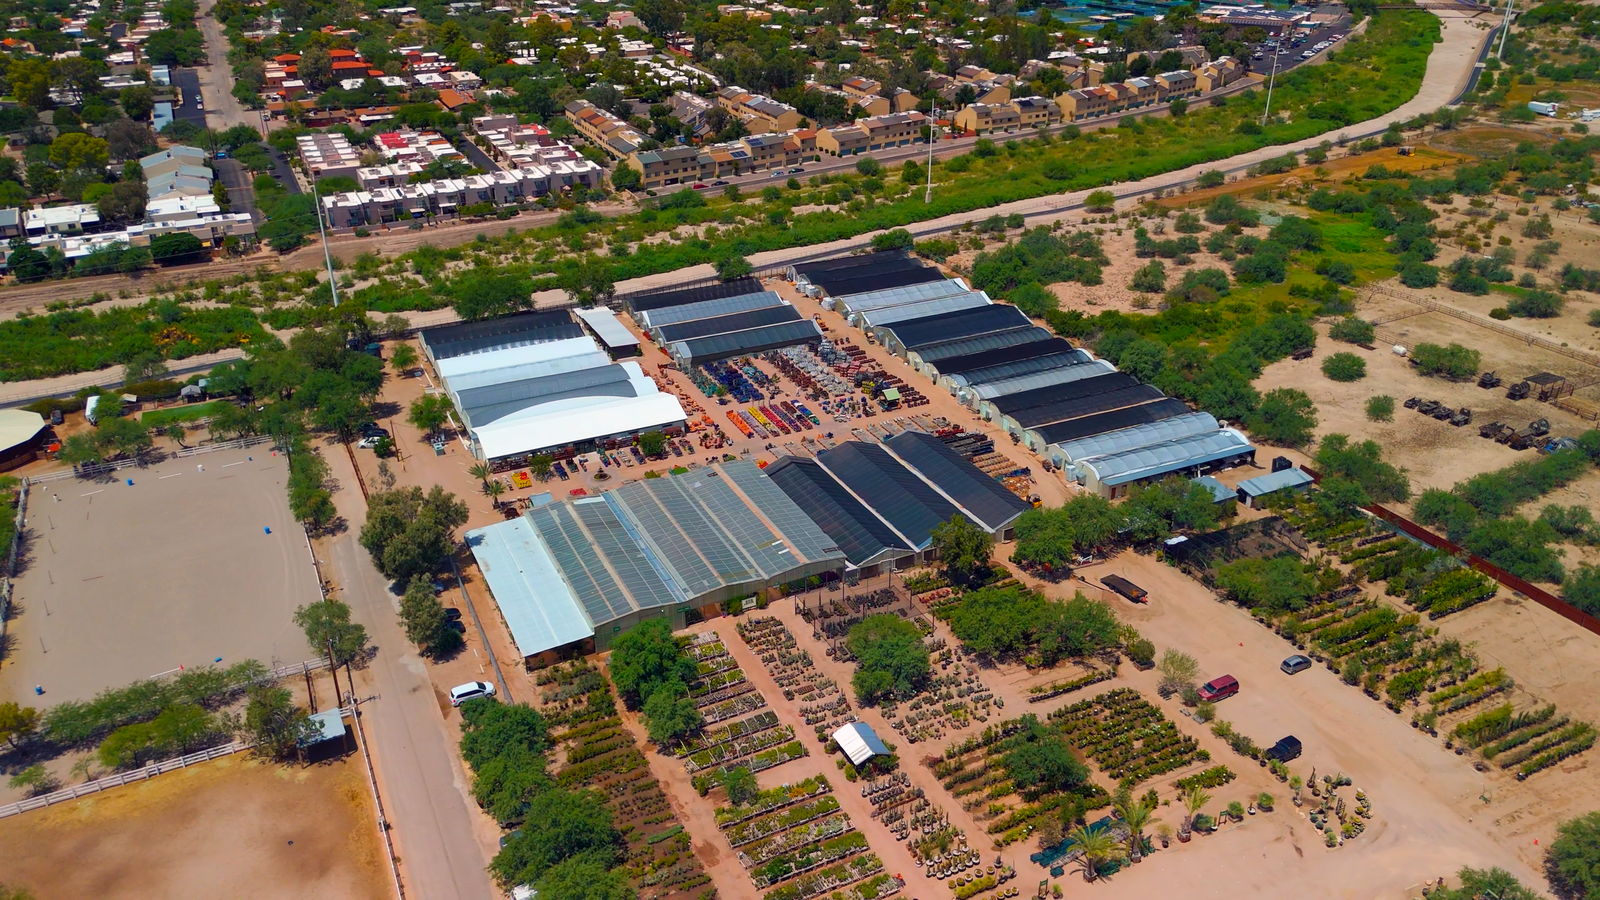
(236, 178)
(188, 82)
(424, 789)
(216, 78)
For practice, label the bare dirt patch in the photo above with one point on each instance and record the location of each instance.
(235, 827)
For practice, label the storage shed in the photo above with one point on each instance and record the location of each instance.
(610, 332)
(859, 743)
(1251, 490)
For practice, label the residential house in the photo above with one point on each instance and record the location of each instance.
(1179, 85)
(758, 113)
(1087, 103)
(1036, 112)
(616, 137)
(846, 140)
(667, 166)
(986, 118)
(893, 129)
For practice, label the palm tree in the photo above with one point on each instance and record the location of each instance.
(481, 472)
(1194, 800)
(494, 489)
(541, 466)
(1136, 816)
(1098, 847)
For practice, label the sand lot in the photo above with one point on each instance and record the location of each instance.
(123, 582)
(235, 827)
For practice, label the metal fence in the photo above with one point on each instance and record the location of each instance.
(96, 471)
(10, 571)
(1531, 340)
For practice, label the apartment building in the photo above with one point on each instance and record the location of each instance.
(846, 140)
(986, 118)
(669, 165)
(1087, 103)
(758, 113)
(1036, 112)
(1181, 84)
(416, 146)
(392, 175)
(893, 130)
(616, 137)
(445, 197)
(1219, 73)
(1137, 93)
(691, 110)
(868, 94)
(327, 155)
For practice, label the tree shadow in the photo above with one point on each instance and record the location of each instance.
(8, 641)
(25, 543)
(386, 409)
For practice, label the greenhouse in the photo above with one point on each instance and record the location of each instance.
(1111, 476)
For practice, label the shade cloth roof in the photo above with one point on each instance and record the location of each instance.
(1084, 406)
(936, 356)
(857, 531)
(804, 271)
(561, 429)
(910, 505)
(445, 341)
(738, 321)
(874, 280)
(705, 309)
(1084, 426)
(978, 495)
(859, 742)
(517, 356)
(946, 327)
(743, 343)
(1022, 401)
(900, 296)
(1169, 456)
(1137, 436)
(665, 297)
(1033, 381)
(974, 366)
(885, 315)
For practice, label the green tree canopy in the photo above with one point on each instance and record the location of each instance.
(560, 825)
(329, 630)
(1572, 862)
(645, 658)
(890, 657)
(1279, 584)
(410, 533)
(964, 549)
(669, 713)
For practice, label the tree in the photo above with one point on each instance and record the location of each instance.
(1044, 764)
(315, 68)
(645, 658)
(17, 723)
(1339, 498)
(329, 630)
(1178, 670)
(1353, 330)
(1210, 178)
(1380, 408)
(740, 784)
(423, 617)
(559, 825)
(1194, 800)
(652, 443)
(1453, 361)
(410, 533)
(127, 139)
(731, 267)
(583, 878)
(890, 657)
(1135, 816)
(124, 204)
(137, 101)
(274, 723)
(1363, 464)
(77, 150)
(1101, 201)
(35, 779)
(1582, 589)
(1286, 416)
(1279, 584)
(896, 239)
(1098, 847)
(964, 548)
(171, 247)
(1344, 367)
(625, 177)
(1150, 278)
(670, 714)
(430, 412)
(402, 357)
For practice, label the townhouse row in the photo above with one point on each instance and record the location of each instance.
(446, 197)
(764, 152)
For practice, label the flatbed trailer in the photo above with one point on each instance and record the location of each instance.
(1126, 588)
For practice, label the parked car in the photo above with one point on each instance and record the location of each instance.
(1296, 663)
(452, 614)
(456, 625)
(797, 170)
(1218, 688)
(461, 693)
(720, 182)
(1308, 54)
(368, 443)
(698, 186)
(1284, 750)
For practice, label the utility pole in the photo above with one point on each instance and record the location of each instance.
(327, 255)
(1505, 29)
(1273, 78)
(933, 132)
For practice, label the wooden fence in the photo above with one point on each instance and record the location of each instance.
(1522, 586)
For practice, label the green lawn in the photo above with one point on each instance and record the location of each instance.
(161, 418)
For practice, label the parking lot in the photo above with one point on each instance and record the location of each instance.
(197, 559)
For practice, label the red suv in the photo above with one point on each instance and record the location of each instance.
(1218, 688)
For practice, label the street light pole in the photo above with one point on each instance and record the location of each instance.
(1505, 28)
(327, 255)
(933, 132)
(1272, 79)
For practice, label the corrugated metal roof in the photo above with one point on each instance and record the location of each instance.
(875, 318)
(888, 488)
(563, 428)
(1085, 426)
(946, 327)
(857, 531)
(997, 344)
(910, 293)
(739, 321)
(1048, 378)
(980, 496)
(611, 332)
(705, 309)
(1132, 438)
(1275, 481)
(539, 606)
(1168, 456)
(1219, 492)
(743, 343)
(490, 403)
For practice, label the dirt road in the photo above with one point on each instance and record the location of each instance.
(440, 837)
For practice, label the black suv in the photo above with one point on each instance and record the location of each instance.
(1284, 750)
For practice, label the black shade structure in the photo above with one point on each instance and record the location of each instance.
(1052, 352)
(1088, 426)
(909, 504)
(863, 538)
(861, 267)
(912, 334)
(644, 300)
(900, 276)
(739, 321)
(960, 480)
(743, 343)
(805, 271)
(1019, 403)
(520, 330)
(1084, 406)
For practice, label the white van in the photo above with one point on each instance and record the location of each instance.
(461, 693)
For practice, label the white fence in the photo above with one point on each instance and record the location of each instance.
(95, 471)
(10, 569)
